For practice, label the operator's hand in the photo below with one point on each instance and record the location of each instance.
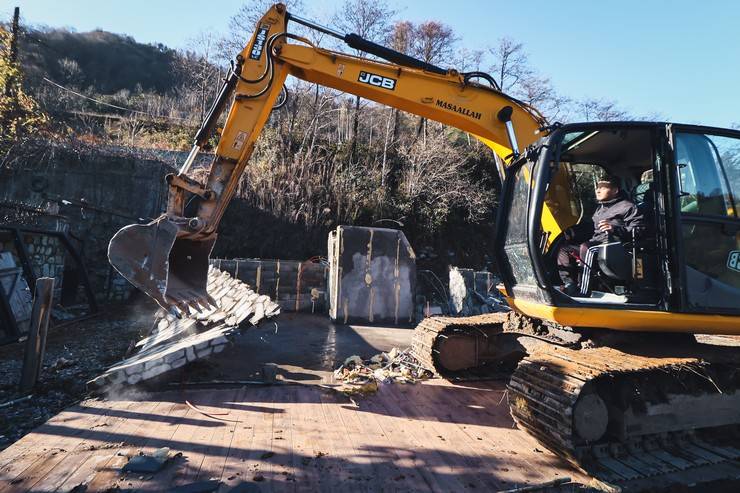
(605, 226)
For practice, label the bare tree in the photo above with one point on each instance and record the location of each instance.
(539, 93)
(510, 64)
(433, 43)
(200, 71)
(371, 20)
(600, 110)
(242, 24)
(467, 60)
(518, 78)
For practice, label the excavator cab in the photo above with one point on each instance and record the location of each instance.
(684, 180)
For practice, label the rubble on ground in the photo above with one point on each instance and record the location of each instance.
(395, 366)
(74, 355)
(175, 342)
(474, 293)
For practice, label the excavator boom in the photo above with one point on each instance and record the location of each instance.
(168, 258)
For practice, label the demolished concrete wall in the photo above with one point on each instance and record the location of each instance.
(473, 292)
(175, 342)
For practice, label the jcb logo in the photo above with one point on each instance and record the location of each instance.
(377, 80)
(259, 42)
(733, 260)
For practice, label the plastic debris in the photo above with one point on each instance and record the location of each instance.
(148, 463)
(360, 377)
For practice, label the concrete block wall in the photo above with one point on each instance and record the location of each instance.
(294, 285)
(175, 342)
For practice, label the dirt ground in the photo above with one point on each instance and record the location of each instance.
(74, 354)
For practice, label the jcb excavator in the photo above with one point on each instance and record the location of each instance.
(610, 378)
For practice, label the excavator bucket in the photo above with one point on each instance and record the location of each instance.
(172, 270)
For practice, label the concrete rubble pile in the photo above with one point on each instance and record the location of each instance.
(474, 293)
(175, 342)
(362, 377)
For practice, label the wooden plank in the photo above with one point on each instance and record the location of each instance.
(97, 463)
(306, 433)
(236, 468)
(484, 414)
(108, 472)
(218, 447)
(448, 466)
(30, 443)
(197, 438)
(175, 436)
(256, 415)
(515, 453)
(65, 446)
(340, 452)
(413, 474)
(473, 460)
(284, 471)
(343, 446)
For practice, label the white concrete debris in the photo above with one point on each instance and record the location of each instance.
(175, 342)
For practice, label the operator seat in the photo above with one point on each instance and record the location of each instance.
(632, 262)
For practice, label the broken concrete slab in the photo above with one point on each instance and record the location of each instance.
(175, 342)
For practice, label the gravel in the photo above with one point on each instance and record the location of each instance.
(74, 355)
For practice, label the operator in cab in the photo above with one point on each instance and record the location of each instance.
(615, 219)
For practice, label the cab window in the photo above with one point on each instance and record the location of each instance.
(709, 174)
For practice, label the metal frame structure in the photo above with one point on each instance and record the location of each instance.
(9, 325)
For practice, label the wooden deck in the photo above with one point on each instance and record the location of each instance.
(434, 436)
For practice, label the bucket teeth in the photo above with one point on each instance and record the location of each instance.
(169, 267)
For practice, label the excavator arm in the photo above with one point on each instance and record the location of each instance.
(168, 258)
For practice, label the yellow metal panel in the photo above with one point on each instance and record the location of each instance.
(443, 98)
(629, 320)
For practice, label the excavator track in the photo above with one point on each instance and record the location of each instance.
(480, 346)
(462, 336)
(624, 417)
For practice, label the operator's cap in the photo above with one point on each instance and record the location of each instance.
(608, 179)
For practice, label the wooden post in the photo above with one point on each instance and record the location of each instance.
(36, 343)
(13, 51)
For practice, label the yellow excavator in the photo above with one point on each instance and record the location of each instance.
(610, 377)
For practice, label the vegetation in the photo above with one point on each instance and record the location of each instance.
(20, 116)
(326, 158)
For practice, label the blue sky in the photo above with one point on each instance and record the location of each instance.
(679, 59)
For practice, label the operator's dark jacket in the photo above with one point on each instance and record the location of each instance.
(622, 214)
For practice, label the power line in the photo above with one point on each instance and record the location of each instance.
(103, 103)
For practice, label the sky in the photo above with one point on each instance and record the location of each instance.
(679, 59)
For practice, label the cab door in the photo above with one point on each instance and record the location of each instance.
(517, 255)
(706, 179)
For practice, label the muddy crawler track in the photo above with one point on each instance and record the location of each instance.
(427, 335)
(545, 387)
